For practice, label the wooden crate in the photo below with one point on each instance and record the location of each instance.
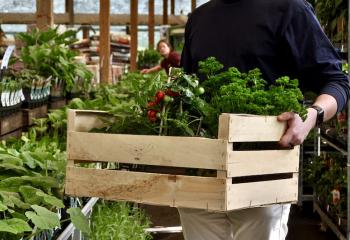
(11, 123)
(243, 179)
(57, 103)
(30, 114)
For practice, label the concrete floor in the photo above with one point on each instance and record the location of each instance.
(303, 224)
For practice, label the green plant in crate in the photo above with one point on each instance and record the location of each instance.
(147, 58)
(48, 54)
(118, 220)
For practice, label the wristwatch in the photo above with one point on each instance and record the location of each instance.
(320, 115)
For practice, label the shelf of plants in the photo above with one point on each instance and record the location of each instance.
(328, 175)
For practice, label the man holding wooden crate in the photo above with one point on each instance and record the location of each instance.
(281, 38)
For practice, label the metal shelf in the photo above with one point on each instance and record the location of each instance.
(70, 231)
(326, 220)
(333, 145)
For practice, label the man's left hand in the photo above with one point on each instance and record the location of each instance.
(297, 130)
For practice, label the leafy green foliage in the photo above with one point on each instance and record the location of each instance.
(14, 226)
(147, 58)
(48, 54)
(43, 218)
(327, 173)
(333, 16)
(234, 92)
(33, 179)
(118, 220)
(79, 220)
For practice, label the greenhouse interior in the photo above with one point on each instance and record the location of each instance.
(174, 120)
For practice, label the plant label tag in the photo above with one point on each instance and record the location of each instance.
(7, 99)
(11, 98)
(3, 99)
(18, 96)
(22, 95)
(7, 55)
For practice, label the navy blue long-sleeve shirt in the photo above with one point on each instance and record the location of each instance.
(280, 37)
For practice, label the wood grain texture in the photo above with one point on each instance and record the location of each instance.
(57, 103)
(160, 189)
(44, 14)
(30, 114)
(133, 34)
(11, 123)
(85, 120)
(151, 24)
(248, 163)
(255, 194)
(150, 150)
(105, 39)
(89, 18)
(250, 128)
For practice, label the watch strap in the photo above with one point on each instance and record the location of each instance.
(320, 115)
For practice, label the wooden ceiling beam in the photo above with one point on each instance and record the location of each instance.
(88, 18)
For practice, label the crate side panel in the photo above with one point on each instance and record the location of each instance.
(255, 194)
(252, 128)
(11, 123)
(158, 189)
(150, 150)
(30, 114)
(248, 163)
(84, 121)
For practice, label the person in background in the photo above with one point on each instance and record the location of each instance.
(171, 58)
(281, 38)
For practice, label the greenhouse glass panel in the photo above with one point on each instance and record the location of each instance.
(86, 6)
(120, 6)
(59, 6)
(18, 6)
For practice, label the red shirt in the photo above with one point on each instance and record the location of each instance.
(173, 60)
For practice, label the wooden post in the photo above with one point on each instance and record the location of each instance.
(193, 5)
(172, 7)
(44, 14)
(165, 12)
(133, 33)
(70, 11)
(151, 24)
(86, 30)
(105, 41)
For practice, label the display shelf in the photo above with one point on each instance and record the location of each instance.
(70, 232)
(327, 221)
(334, 145)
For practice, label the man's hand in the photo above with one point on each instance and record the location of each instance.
(297, 130)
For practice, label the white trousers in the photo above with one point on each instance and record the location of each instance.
(263, 223)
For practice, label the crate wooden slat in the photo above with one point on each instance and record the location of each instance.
(30, 114)
(246, 163)
(250, 128)
(150, 150)
(220, 193)
(57, 103)
(171, 190)
(11, 123)
(14, 134)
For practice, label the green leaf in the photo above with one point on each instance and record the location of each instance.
(14, 226)
(79, 220)
(29, 195)
(51, 200)
(43, 218)
(11, 167)
(3, 207)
